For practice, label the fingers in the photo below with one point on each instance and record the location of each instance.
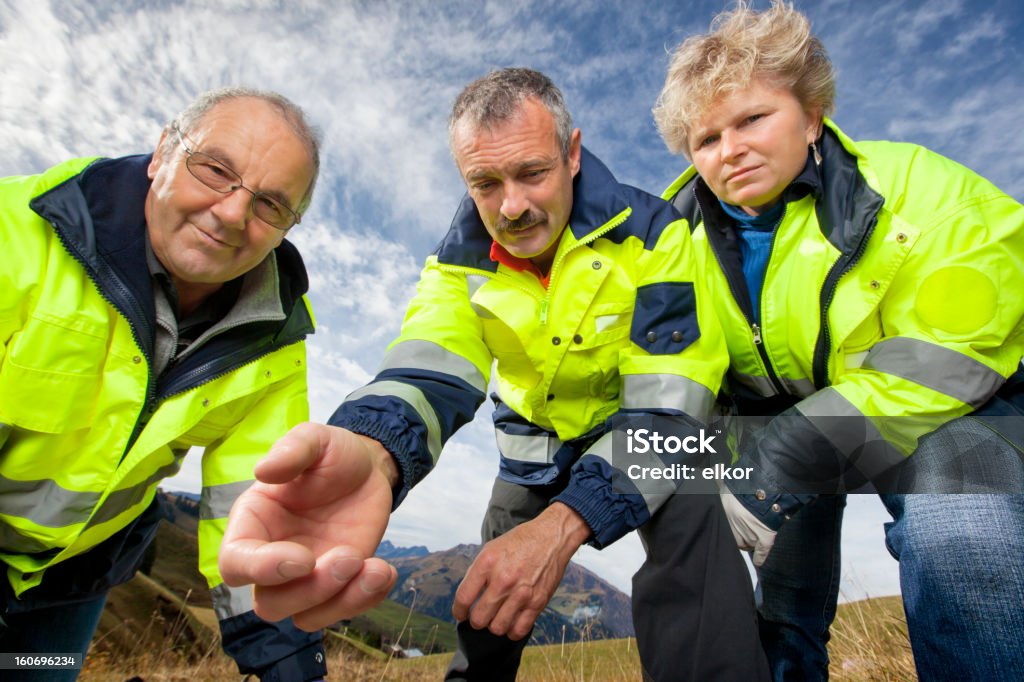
(470, 589)
(492, 598)
(365, 591)
(293, 453)
(524, 625)
(512, 616)
(342, 586)
(516, 614)
(243, 562)
(761, 552)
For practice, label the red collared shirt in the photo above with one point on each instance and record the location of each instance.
(500, 254)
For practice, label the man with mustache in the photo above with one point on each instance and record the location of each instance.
(583, 291)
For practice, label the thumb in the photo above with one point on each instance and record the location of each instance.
(293, 453)
(760, 554)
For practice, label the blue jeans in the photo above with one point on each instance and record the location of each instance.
(63, 629)
(961, 563)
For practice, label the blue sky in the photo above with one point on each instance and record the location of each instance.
(379, 77)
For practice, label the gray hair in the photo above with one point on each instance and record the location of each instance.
(307, 133)
(499, 95)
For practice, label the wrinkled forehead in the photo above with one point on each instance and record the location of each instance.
(257, 140)
(529, 132)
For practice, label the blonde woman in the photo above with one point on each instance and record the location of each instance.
(871, 294)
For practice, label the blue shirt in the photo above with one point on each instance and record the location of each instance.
(755, 240)
(755, 232)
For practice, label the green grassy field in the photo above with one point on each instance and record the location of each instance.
(393, 621)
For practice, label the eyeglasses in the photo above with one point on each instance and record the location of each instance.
(220, 178)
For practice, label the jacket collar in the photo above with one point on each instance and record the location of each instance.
(846, 204)
(597, 197)
(848, 211)
(99, 216)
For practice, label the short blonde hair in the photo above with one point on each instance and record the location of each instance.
(743, 45)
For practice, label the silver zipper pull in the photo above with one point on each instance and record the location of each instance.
(757, 334)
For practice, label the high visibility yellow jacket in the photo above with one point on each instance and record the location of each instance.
(891, 304)
(89, 431)
(622, 331)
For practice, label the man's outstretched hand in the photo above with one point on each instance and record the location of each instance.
(304, 534)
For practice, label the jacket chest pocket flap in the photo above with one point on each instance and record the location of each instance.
(604, 323)
(51, 374)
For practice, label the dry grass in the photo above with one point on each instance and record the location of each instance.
(869, 643)
(177, 658)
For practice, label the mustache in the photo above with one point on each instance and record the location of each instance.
(524, 221)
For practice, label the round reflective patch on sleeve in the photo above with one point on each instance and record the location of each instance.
(956, 299)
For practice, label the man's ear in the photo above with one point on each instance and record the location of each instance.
(574, 151)
(158, 157)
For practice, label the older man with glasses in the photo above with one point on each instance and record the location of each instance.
(148, 306)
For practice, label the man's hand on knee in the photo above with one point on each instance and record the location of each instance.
(515, 575)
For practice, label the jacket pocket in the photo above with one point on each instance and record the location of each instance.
(51, 375)
(605, 323)
(594, 351)
(855, 347)
(665, 321)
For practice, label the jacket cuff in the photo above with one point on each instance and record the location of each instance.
(303, 666)
(609, 514)
(768, 501)
(275, 651)
(409, 466)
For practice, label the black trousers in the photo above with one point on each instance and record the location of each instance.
(693, 604)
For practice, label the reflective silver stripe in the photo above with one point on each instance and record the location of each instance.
(763, 385)
(119, 500)
(45, 503)
(848, 429)
(640, 391)
(538, 448)
(936, 367)
(231, 601)
(417, 401)
(418, 354)
(474, 282)
(216, 500)
(13, 542)
(760, 385)
(798, 387)
(654, 491)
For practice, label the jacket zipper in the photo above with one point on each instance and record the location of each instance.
(545, 301)
(757, 333)
(622, 217)
(822, 356)
(184, 383)
(130, 311)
